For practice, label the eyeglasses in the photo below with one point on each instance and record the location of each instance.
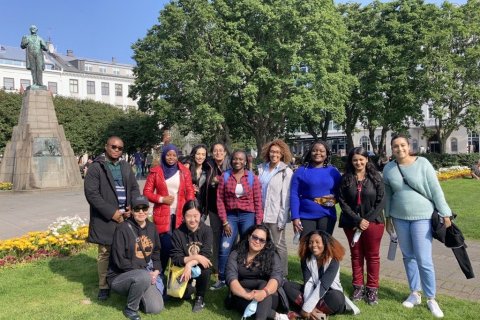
(114, 147)
(138, 209)
(255, 238)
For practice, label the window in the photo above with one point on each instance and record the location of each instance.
(105, 89)
(365, 143)
(454, 145)
(415, 145)
(102, 69)
(52, 86)
(90, 87)
(73, 86)
(24, 83)
(88, 67)
(116, 71)
(8, 84)
(118, 90)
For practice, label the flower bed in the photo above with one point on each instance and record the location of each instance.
(454, 172)
(6, 186)
(64, 237)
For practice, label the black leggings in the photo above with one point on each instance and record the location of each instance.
(325, 224)
(201, 284)
(265, 309)
(332, 302)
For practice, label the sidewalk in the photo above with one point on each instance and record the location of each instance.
(21, 212)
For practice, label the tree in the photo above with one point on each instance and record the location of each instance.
(386, 40)
(452, 69)
(10, 105)
(236, 68)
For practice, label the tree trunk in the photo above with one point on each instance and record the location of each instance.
(325, 126)
(371, 136)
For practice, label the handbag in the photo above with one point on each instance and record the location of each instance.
(175, 286)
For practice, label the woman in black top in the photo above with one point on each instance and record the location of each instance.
(202, 173)
(192, 249)
(362, 201)
(254, 272)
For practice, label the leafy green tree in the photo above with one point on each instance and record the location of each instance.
(10, 105)
(237, 68)
(452, 69)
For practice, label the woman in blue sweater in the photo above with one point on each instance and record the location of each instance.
(314, 192)
(410, 207)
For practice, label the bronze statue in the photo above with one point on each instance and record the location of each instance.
(35, 61)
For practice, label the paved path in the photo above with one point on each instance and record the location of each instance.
(21, 212)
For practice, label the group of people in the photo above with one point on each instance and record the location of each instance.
(215, 216)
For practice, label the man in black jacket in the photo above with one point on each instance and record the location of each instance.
(109, 187)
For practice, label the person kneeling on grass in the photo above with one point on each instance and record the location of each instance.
(192, 249)
(136, 246)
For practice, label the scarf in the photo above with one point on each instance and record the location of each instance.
(168, 170)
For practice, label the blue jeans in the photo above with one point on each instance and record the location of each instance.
(415, 240)
(238, 221)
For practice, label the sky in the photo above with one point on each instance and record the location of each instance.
(99, 29)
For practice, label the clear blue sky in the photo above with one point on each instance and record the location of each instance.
(99, 29)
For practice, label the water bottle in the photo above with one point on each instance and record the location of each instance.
(392, 249)
(296, 238)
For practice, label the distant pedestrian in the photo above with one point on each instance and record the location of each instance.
(476, 170)
(138, 161)
(148, 162)
(110, 186)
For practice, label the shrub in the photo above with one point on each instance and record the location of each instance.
(6, 186)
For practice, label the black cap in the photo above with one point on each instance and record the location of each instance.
(140, 201)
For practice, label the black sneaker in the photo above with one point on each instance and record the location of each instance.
(131, 314)
(372, 296)
(103, 294)
(358, 293)
(198, 305)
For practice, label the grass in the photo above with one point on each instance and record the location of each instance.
(66, 288)
(462, 196)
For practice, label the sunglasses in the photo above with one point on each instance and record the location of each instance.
(114, 147)
(138, 209)
(257, 239)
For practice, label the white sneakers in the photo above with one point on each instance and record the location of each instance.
(413, 299)
(434, 308)
(281, 316)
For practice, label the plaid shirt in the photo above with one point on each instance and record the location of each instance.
(249, 202)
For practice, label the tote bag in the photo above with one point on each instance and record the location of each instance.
(175, 288)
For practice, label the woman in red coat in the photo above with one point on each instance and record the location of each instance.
(168, 186)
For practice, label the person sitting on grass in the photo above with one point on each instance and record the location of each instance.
(321, 293)
(135, 246)
(192, 248)
(476, 170)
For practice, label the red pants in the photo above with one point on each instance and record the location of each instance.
(367, 249)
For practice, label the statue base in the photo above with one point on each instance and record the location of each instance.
(39, 156)
(36, 87)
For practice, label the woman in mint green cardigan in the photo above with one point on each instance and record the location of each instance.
(410, 211)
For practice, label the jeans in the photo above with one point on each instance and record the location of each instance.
(278, 237)
(240, 222)
(366, 250)
(415, 240)
(137, 286)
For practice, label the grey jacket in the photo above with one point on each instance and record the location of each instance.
(276, 208)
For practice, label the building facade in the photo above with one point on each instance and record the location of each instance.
(70, 76)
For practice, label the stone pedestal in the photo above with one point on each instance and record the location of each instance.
(39, 156)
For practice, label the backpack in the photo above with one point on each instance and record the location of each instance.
(228, 173)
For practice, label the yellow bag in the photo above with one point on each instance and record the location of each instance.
(175, 288)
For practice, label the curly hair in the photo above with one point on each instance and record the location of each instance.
(264, 259)
(308, 156)
(332, 249)
(371, 170)
(284, 149)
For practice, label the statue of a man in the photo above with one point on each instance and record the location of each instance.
(35, 62)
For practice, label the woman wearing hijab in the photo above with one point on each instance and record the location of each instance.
(168, 186)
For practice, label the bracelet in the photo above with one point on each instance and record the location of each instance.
(266, 291)
(225, 224)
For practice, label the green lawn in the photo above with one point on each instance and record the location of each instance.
(66, 288)
(462, 196)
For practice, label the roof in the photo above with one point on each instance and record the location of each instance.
(12, 53)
